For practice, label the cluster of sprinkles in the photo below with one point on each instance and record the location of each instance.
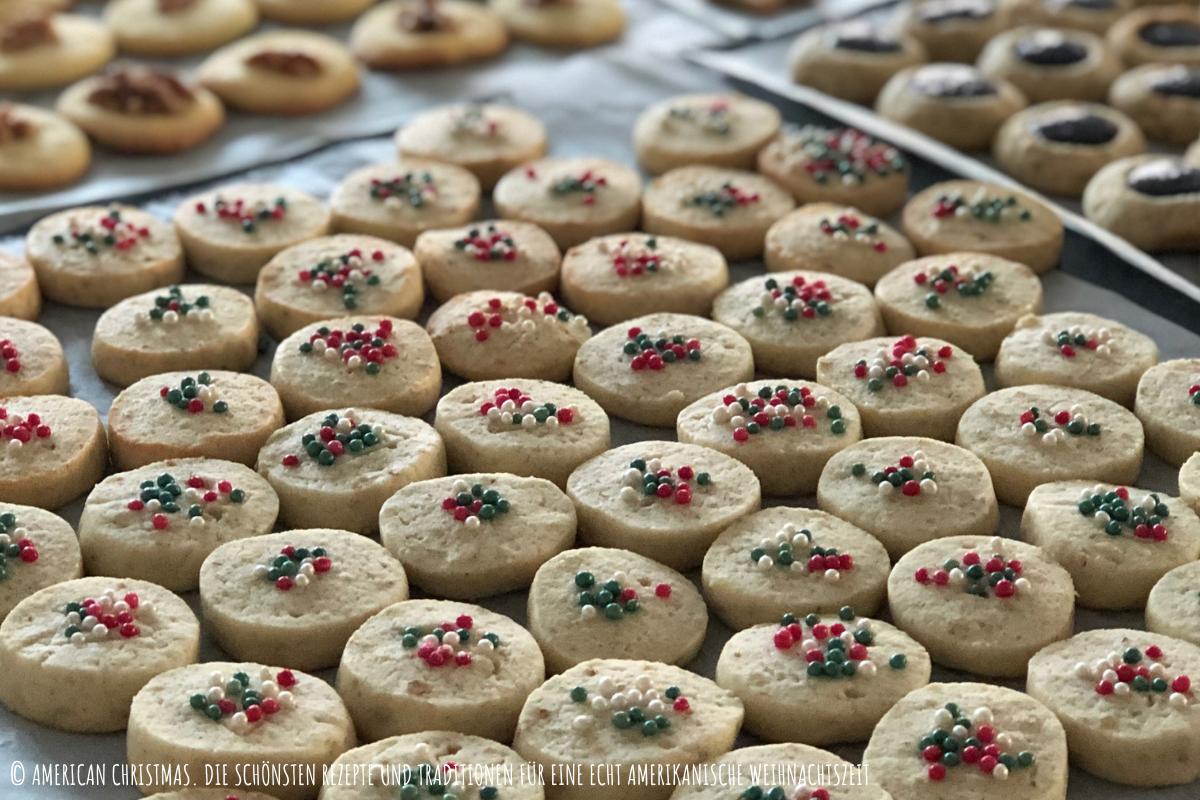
(723, 199)
(106, 230)
(236, 701)
(245, 215)
(780, 552)
(295, 567)
(1136, 671)
(1112, 511)
(801, 792)
(451, 644)
(995, 577)
(159, 499)
(912, 475)
(1071, 340)
(342, 273)
(796, 299)
(108, 616)
(631, 258)
(585, 185)
(613, 598)
(639, 706)
(428, 779)
(488, 244)
(959, 740)
(646, 480)
(775, 409)
(471, 120)
(170, 308)
(1194, 394)
(981, 206)
(15, 545)
(511, 408)
(473, 504)
(17, 430)
(358, 347)
(939, 280)
(902, 360)
(712, 117)
(526, 312)
(833, 651)
(850, 226)
(841, 154)
(1053, 428)
(337, 436)
(412, 189)
(655, 352)
(195, 395)
(11, 355)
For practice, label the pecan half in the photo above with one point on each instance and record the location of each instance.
(287, 62)
(425, 18)
(12, 127)
(138, 90)
(26, 32)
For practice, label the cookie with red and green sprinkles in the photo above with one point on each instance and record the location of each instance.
(770, 772)
(205, 414)
(1116, 540)
(477, 534)
(1128, 701)
(597, 602)
(781, 560)
(494, 255)
(837, 239)
(1168, 405)
(37, 549)
(335, 469)
(52, 450)
(723, 130)
(20, 296)
(1173, 608)
(31, 360)
(785, 432)
(438, 665)
(1010, 599)
(371, 361)
(160, 521)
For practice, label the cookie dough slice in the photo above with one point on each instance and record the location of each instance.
(96, 256)
(1052, 64)
(39, 149)
(852, 59)
(335, 469)
(169, 28)
(259, 596)
(1149, 200)
(32, 358)
(74, 654)
(783, 757)
(1094, 16)
(383, 363)
(784, 432)
(52, 450)
(496, 255)
(159, 522)
(42, 50)
(213, 794)
(721, 130)
(663, 500)
(784, 560)
(311, 12)
(791, 319)
(573, 24)
(1168, 405)
(1172, 608)
(525, 427)
(987, 218)
(413, 34)
(651, 370)
(615, 278)
(954, 30)
(220, 716)
(486, 335)
(906, 386)
(332, 276)
(1158, 34)
(438, 665)
(1164, 99)
(230, 233)
(1127, 701)
(37, 549)
(20, 296)
(837, 239)
(192, 327)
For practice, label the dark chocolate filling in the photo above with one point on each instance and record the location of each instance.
(951, 80)
(1086, 5)
(863, 38)
(1171, 34)
(1164, 178)
(1177, 81)
(1049, 49)
(1075, 127)
(944, 10)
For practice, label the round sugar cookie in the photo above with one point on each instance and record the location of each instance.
(52, 449)
(222, 715)
(836, 239)
(230, 233)
(591, 602)
(982, 605)
(159, 522)
(477, 534)
(415, 34)
(170, 28)
(487, 335)
(574, 24)
(192, 327)
(1163, 33)
(77, 652)
(311, 12)
(1079, 350)
(633, 714)
(214, 414)
(33, 360)
(294, 598)
(336, 468)
(971, 299)
(852, 59)
(1122, 725)
(485, 138)
(1168, 406)
(726, 208)
(572, 199)
(375, 362)
(43, 50)
(904, 387)
(525, 427)
(40, 150)
(818, 679)
(438, 665)
(332, 276)
(496, 255)
(954, 30)
(1030, 435)
(20, 296)
(651, 369)
(96, 256)
(214, 794)
(402, 199)
(1116, 541)
(1172, 608)
(721, 130)
(834, 772)
(791, 319)
(784, 560)
(1052, 63)
(784, 432)
(945, 740)
(663, 500)
(954, 216)
(1096, 16)
(1189, 483)
(38, 549)
(1164, 100)
(615, 278)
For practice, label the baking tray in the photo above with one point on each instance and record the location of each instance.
(740, 25)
